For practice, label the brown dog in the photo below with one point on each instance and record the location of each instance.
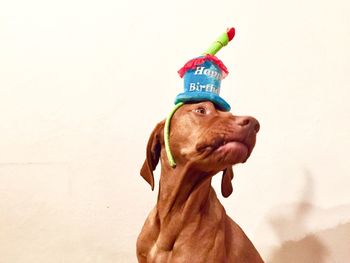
(189, 224)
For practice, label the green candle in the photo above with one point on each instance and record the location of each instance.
(220, 42)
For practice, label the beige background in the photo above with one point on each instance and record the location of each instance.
(82, 84)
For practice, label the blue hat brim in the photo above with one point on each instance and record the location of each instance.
(195, 96)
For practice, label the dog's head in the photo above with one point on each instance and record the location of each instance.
(205, 137)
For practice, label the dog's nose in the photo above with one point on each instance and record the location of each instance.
(248, 122)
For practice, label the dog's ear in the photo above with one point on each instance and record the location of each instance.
(152, 154)
(226, 184)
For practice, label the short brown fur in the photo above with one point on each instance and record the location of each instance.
(188, 223)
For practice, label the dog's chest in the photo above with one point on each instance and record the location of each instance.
(200, 241)
(197, 250)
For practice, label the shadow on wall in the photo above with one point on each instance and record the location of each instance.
(334, 247)
(325, 246)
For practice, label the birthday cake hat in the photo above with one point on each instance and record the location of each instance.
(202, 75)
(202, 79)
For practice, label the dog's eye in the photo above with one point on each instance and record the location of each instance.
(201, 110)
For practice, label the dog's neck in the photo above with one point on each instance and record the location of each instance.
(182, 191)
(185, 196)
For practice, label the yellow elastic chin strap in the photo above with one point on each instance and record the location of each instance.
(167, 134)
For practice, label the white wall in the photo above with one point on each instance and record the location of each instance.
(82, 84)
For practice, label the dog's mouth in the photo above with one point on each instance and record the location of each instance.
(225, 146)
(231, 144)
